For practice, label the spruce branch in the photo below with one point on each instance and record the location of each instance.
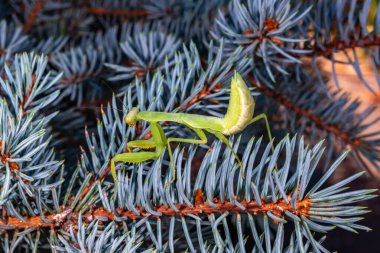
(33, 15)
(83, 65)
(27, 161)
(80, 67)
(145, 53)
(183, 18)
(27, 81)
(264, 29)
(51, 46)
(283, 196)
(338, 45)
(125, 13)
(110, 211)
(13, 40)
(345, 34)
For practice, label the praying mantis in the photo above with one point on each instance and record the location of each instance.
(239, 115)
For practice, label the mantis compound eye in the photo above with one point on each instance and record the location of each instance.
(131, 117)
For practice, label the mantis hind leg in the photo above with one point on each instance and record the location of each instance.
(202, 140)
(263, 116)
(223, 139)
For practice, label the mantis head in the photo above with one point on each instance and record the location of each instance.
(131, 117)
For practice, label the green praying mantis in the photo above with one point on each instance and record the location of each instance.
(239, 115)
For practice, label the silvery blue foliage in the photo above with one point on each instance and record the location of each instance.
(267, 30)
(13, 40)
(147, 52)
(30, 173)
(179, 56)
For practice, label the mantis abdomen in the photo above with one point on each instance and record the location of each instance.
(240, 108)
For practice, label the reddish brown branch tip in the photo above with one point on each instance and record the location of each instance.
(340, 45)
(78, 78)
(93, 181)
(27, 95)
(4, 159)
(33, 15)
(269, 25)
(119, 13)
(203, 93)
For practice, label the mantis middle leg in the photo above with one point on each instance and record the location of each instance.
(203, 140)
(223, 139)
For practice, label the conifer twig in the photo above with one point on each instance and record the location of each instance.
(33, 15)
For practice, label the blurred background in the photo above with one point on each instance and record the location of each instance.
(341, 240)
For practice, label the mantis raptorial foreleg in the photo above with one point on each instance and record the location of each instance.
(159, 141)
(203, 140)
